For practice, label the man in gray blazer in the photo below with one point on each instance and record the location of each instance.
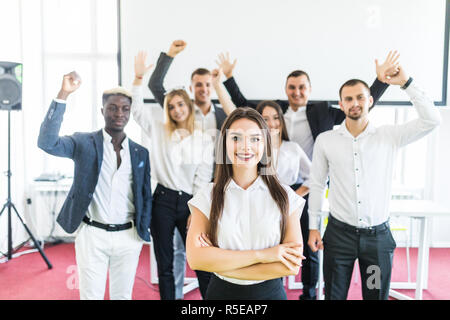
(110, 200)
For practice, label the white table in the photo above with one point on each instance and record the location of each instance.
(40, 218)
(422, 210)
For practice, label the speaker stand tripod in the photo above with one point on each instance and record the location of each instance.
(10, 206)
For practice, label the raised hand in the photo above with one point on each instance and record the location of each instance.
(224, 98)
(217, 75)
(389, 67)
(225, 64)
(140, 69)
(70, 83)
(176, 47)
(399, 79)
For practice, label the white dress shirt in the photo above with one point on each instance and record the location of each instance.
(207, 123)
(178, 164)
(298, 129)
(113, 200)
(292, 163)
(360, 168)
(250, 218)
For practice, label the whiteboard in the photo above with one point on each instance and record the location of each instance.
(331, 40)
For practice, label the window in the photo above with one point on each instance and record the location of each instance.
(410, 168)
(51, 38)
(82, 36)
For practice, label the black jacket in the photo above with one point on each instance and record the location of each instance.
(156, 86)
(320, 114)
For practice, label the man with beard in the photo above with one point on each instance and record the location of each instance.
(359, 158)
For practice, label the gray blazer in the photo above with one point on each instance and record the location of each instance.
(86, 150)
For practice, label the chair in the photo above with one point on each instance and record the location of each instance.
(396, 227)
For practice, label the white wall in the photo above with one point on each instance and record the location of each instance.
(332, 40)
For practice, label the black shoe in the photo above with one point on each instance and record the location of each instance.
(307, 297)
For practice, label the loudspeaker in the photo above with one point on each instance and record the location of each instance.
(10, 85)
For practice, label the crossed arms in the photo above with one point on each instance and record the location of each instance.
(282, 260)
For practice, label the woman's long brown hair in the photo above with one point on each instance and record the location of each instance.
(224, 173)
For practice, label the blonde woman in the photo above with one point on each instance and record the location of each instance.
(180, 165)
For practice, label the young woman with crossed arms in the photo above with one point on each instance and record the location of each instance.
(292, 165)
(245, 226)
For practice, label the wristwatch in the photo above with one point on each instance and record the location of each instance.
(406, 85)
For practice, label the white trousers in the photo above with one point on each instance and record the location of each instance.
(99, 251)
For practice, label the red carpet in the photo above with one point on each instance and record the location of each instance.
(27, 277)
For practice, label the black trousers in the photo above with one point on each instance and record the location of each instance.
(374, 250)
(219, 289)
(170, 211)
(310, 266)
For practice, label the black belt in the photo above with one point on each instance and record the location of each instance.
(368, 230)
(108, 227)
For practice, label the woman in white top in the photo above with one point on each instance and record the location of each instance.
(245, 226)
(293, 168)
(181, 159)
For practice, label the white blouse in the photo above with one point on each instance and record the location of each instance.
(299, 130)
(292, 163)
(178, 164)
(250, 219)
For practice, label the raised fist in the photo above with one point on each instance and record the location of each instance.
(71, 82)
(217, 75)
(176, 47)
